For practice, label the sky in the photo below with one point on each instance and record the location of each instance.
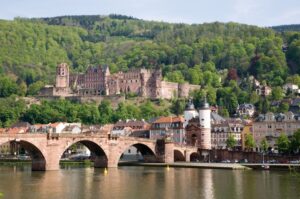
(255, 12)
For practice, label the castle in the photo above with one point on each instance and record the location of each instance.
(97, 81)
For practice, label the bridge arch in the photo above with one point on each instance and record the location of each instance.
(194, 157)
(147, 151)
(38, 158)
(178, 156)
(98, 154)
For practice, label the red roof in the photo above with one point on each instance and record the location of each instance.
(169, 119)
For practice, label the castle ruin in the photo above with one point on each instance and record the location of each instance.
(97, 81)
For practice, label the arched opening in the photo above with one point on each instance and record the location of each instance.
(20, 150)
(194, 139)
(86, 150)
(194, 157)
(178, 156)
(137, 153)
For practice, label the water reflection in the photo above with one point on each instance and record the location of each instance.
(146, 182)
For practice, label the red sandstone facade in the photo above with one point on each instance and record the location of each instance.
(98, 81)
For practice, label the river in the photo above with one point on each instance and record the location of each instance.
(146, 183)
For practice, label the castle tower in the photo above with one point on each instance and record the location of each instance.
(205, 124)
(189, 113)
(62, 76)
(106, 73)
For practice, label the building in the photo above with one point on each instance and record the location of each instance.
(189, 113)
(168, 128)
(271, 125)
(289, 87)
(245, 110)
(136, 128)
(97, 81)
(198, 130)
(220, 132)
(263, 90)
(295, 106)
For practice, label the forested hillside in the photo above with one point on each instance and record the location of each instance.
(283, 28)
(217, 56)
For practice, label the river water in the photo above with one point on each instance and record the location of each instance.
(147, 183)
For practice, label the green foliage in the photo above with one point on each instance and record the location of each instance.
(106, 112)
(295, 142)
(277, 93)
(67, 111)
(178, 106)
(283, 143)
(7, 87)
(249, 142)
(230, 142)
(216, 56)
(264, 145)
(283, 107)
(34, 88)
(10, 111)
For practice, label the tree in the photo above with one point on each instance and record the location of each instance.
(277, 93)
(283, 107)
(7, 87)
(249, 142)
(264, 145)
(106, 112)
(178, 106)
(283, 143)
(230, 142)
(34, 88)
(295, 142)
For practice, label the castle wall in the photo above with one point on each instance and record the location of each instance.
(185, 89)
(97, 81)
(113, 99)
(130, 82)
(169, 90)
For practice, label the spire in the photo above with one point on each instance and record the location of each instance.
(190, 105)
(205, 104)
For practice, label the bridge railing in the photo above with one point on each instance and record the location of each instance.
(185, 146)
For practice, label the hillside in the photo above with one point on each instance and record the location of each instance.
(125, 42)
(284, 28)
(218, 56)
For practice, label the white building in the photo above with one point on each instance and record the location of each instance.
(289, 87)
(247, 110)
(189, 113)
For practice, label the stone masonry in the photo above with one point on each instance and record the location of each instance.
(97, 81)
(46, 150)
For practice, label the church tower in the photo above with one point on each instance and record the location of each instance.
(62, 76)
(205, 125)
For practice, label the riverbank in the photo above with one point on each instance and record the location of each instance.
(228, 166)
(189, 165)
(231, 166)
(273, 166)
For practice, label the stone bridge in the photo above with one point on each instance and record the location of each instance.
(46, 150)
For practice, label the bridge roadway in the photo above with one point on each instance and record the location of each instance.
(46, 150)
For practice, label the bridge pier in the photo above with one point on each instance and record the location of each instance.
(100, 162)
(187, 156)
(169, 152)
(38, 165)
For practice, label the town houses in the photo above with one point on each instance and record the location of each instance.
(201, 127)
